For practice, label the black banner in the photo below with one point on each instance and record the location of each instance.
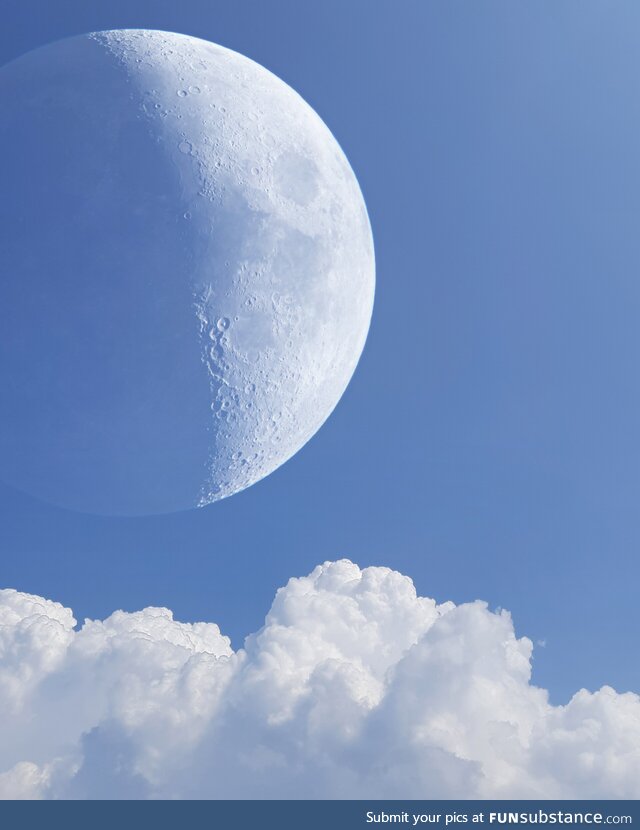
(312, 815)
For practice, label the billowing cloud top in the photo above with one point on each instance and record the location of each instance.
(354, 688)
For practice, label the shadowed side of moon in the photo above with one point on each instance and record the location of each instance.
(105, 404)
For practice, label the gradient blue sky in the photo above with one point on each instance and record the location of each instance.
(488, 444)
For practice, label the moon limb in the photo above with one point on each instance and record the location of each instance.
(279, 265)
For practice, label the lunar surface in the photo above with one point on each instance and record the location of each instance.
(187, 272)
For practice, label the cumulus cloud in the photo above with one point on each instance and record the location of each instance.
(354, 688)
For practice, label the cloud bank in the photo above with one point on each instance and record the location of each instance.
(354, 688)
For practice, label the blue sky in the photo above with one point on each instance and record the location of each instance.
(488, 443)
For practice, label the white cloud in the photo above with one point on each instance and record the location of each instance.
(354, 687)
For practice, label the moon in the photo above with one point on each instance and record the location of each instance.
(187, 272)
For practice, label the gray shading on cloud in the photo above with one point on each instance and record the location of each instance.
(355, 687)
